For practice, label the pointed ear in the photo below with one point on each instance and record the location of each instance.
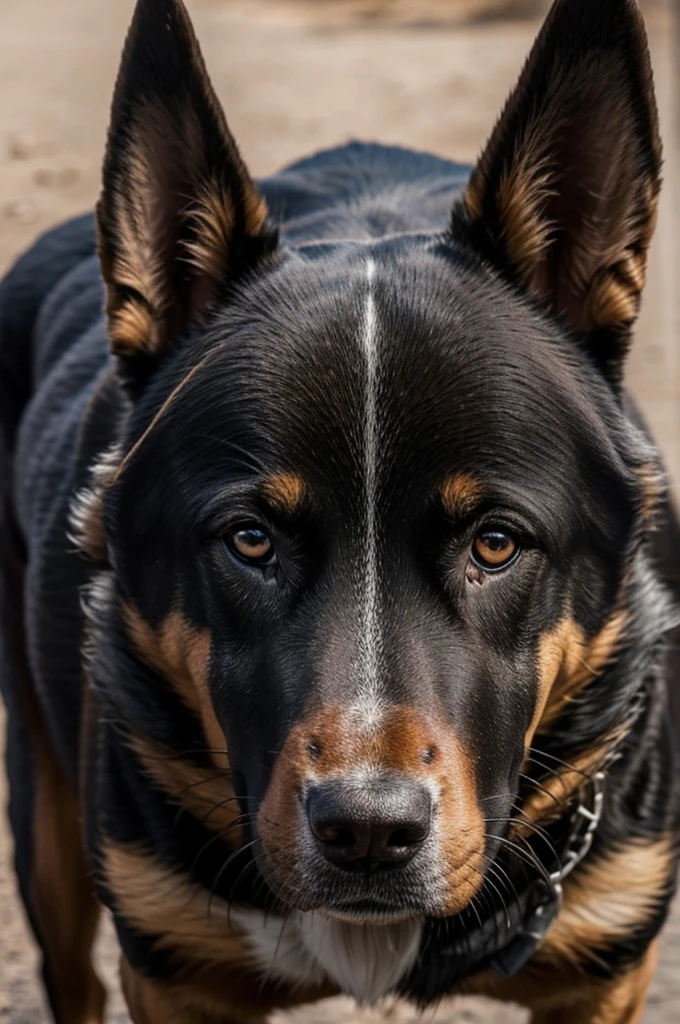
(179, 217)
(563, 200)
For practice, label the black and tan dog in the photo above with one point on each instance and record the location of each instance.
(361, 685)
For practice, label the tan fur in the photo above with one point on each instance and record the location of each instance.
(205, 793)
(285, 490)
(131, 327)
(613, 302)
(651, 484)
(573, 203)
(522, 195)
(153, 1002)
(213, 219)
(181, 654)
(210, 994)
(565, 994)
(137, 261)
(460, 493)
(166, 903)
(174, 206)
(608, 897)
(614, 298)
(61, 893)
(567, 663)
(220, 980)
(256, 212)
(621, 1001)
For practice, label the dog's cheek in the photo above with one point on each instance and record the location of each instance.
(567, 662)
(180, 653)
(459, 825)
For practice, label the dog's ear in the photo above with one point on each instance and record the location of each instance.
(563, 200)
(179, 217)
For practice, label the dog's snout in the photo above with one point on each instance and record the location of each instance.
(378, 826)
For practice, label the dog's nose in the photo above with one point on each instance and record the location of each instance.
(378, 826)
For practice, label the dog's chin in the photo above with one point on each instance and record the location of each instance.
(365, 960)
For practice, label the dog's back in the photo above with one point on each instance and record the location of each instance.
(52, 348)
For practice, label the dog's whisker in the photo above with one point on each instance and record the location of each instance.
(223, 803)
(237, 823)
(565, 764)
(220, 874)
(540, 787)
(529, 858)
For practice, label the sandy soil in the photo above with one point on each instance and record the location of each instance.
(296, 75)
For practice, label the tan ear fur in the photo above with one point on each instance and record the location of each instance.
(563, 199)
(179, 216)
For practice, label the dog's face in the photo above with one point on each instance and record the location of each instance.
(379, 495)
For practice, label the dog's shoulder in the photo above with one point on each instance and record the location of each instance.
(363, 190)
(25, 292)
(54, 336)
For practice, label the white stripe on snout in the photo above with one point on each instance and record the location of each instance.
(369, 704)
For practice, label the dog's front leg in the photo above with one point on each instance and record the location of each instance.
(157, 1002)
(610, 1001)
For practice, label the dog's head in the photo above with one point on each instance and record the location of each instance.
(377, 500)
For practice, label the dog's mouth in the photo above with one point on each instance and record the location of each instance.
(368, 912)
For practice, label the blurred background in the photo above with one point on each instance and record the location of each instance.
(296, 76)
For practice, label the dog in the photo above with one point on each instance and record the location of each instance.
(337, 565)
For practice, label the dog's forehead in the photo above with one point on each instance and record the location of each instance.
(423, 360)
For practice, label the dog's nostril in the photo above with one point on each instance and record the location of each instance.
(383, 823)
(407, 836)
(337, 837)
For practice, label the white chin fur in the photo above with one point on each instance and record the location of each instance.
(365, 961)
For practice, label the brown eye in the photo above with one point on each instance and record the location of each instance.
(494, 549)
(251, 544)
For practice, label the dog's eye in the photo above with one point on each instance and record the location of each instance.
(251, 544)
(494, 549)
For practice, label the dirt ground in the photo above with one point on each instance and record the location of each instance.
(297, 75)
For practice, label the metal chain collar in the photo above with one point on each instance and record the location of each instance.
(586, 820)
(587, 816)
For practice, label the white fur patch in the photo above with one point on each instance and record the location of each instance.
(369, 702)
(365, 961)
